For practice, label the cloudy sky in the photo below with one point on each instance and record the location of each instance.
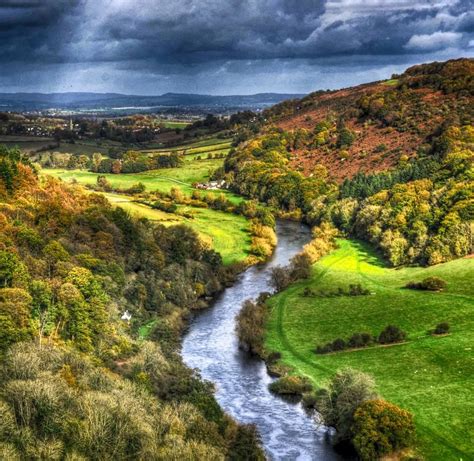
(223, 46)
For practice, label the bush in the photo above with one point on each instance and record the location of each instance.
(338, 344)
(441, 328)
(280, 277)
(301, 266)
(345, 138)
(250, 327)
(392, 334)
(429, 284)
(246, 444)
(358, 290)
(381, 428)
(360, 340)
(347, 390)
(291, 385)
(167, 207)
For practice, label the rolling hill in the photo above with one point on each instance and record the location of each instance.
(375, 126)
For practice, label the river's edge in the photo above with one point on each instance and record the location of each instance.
(212, 348)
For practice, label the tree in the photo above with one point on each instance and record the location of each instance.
(347, 390)
(280, 277)
(95, 161)
(8, 266)
(15, 305)
(301, 266)
(381, 428)
(54, 252)
(103, 183)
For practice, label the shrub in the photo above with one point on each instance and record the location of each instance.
(380, 428)
(273, 357)
(358, 290)
(347, 390)
(391, 334)
(441, 328)
(301, 266)
(167, 207)
(250, 327)
(429, 284)
(345, 138)
(280, 277)
(291, 385)
(246, 444)
(360, 340)
(338, 344)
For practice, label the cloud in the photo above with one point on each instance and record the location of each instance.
(433, 42)
(178, 40)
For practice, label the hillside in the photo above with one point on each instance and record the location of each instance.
(374, 127)
(100, 102)
(430, 375)
(419, 209)
(78, 380)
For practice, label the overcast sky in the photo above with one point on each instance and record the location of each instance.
(223, 46)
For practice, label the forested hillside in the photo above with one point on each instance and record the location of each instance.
(411, 194)
(77, 382)
(380, 125)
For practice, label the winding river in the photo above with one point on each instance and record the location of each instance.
(287, 431)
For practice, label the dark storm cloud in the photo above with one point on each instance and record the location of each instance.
(182, 38)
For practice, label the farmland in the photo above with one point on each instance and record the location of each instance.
(226, 233)
(156, 180)
(428, 375)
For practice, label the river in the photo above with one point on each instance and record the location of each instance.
(211, 345)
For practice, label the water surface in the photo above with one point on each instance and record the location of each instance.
(288, 432)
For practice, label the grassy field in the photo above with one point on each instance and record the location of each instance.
(157, 180)
(174, 123)
(430, 376)
(226, 233)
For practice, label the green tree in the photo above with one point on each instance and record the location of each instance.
(381, 428)
(347, 390)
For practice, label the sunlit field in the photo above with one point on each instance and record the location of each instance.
(428, 375)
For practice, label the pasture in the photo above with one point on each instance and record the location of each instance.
(161, 180)
(226, 233)
(432, 376)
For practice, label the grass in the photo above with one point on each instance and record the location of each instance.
(156, 180)
(145, 329)
(430, 376)
(226, 233)
(209, 143)
(174, 123)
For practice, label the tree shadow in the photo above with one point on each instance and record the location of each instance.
(368, 254)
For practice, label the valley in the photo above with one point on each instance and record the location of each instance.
(429, 375)
(143, 281)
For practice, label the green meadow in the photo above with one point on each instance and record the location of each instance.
(432, 376)
(226, 233)
(174, 123)
(161, 180)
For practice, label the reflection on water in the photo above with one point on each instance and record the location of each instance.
(287, 431)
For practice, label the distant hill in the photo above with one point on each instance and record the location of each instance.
(372, 127)
(124, 102)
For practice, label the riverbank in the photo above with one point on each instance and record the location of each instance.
(241, 382)
(430, 376)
